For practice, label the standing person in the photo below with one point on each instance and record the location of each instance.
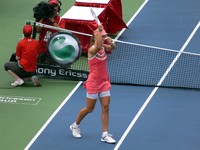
(26, 55)
(45, 33)
(98, 83)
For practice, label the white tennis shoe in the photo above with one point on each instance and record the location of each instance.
(17, 82)
(36, 81)
(76, 132)
(108, 139)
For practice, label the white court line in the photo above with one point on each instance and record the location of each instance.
(52, 116)
(156, 88)
(133, 17)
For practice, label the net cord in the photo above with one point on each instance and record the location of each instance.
(125, 42)
(157, 48)
(56, 28)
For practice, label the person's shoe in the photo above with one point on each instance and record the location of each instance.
(108, 139)
(76, 132)
(17, 82)
(35, 80)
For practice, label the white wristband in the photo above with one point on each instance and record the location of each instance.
(113, 42)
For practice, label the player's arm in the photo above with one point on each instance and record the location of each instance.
(98, 42)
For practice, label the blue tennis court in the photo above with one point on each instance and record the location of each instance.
(141, 117)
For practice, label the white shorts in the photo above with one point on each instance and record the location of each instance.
(101, 94)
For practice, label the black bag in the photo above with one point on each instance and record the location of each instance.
(13, 57)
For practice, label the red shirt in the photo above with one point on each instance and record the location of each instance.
(28, 50)
(98, 79)
(46, 33)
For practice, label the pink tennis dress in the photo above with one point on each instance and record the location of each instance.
(98, 79)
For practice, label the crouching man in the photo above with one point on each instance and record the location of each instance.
(27, 51)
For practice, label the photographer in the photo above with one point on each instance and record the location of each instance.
(51, 17)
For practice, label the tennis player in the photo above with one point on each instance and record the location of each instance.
(26, 55)
(98, 83)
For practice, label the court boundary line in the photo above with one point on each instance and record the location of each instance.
(133, 17)
(52, 116)
(156, 88)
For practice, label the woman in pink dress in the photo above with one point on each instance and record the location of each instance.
(98, 83)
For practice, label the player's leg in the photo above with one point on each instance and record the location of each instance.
(90, 105)
(105, 102)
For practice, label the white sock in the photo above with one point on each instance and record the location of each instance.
(75, 125)
(104, 134)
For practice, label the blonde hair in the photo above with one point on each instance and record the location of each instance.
(92, 40)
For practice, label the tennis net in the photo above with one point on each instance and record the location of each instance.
(139, 64)
(152, 66)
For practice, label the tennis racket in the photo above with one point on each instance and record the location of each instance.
(95, 16)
